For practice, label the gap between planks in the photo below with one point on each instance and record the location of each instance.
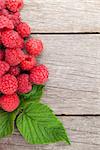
(79, 115)
(59, 33)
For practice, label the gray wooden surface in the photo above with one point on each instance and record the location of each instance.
(74, 65)
(73, 89)
(62, 15)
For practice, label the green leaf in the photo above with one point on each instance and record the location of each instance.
(38, 125)
(34, 95)
(6, 123)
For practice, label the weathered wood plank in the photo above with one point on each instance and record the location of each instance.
(62, 15)
(84, 132)
(74, 66)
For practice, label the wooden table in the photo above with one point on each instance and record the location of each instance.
(70, 32)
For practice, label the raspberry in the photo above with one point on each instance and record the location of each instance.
(8, 84)
(4, 67)
(39, 74)
(24, 85)
(23, 29)
(5, 22)
(9, 102)
(14, 5)
(14, 56)
(34, 46)
(12, 39)
(15, 17)
(2, 4)
(2, 53)
(28, 63)
(14, 70)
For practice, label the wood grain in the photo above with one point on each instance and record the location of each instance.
(74, 66)
(84, 132)
(62, 15)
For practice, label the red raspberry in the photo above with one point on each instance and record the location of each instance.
(2, 4)
(15, 17)
(24, 85)
(34, 47)
(14, 5)
(8, 84)
(9, 102)
(12, 39)
(39, 74)
(2, 54)
(23, 29)
(14, 70)
(5, 22)
(14, 56)
(4, 67)
(28, 63)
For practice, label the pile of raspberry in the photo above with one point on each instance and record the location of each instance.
(19, 69)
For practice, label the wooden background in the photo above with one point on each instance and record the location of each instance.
(70, 32)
